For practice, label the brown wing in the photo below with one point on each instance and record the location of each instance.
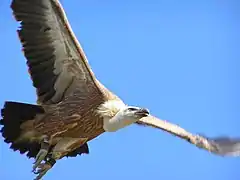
(54, 56)
(221, 145)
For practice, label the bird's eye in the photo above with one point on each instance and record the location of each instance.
(132, 109)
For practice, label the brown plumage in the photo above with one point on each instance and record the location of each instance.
(73, 107)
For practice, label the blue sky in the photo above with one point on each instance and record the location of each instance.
(180, 59)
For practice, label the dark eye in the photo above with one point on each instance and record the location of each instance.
(132, 109)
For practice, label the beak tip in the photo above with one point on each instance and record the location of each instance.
(146, 111)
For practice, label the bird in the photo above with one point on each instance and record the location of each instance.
(73, 107)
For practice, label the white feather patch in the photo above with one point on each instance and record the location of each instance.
(110, 108)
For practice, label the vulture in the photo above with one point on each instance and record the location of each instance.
(72, 106)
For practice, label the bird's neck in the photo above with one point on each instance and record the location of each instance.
(113, 119)
(116, 123)
(110, 108)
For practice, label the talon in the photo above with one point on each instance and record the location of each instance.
(42, 170)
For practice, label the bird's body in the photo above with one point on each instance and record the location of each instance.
(73, 107)
(72, 119)
(69, 120)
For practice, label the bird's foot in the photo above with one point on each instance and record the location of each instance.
(41, 154)
(42, 169)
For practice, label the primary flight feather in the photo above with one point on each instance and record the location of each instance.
(73, 107)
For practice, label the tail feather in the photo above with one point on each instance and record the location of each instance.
(13, 115)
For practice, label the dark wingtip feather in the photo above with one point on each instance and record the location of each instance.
(225, 146)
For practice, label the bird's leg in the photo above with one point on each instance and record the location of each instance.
(42, 153)
(62, 148)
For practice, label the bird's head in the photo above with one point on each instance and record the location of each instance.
(114, 108)
(117, 115)
(133, 113)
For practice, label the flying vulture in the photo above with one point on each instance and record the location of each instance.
(73, 107)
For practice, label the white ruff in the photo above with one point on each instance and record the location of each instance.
(115, 116)
(110, 108)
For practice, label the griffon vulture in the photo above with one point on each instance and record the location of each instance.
(73, 107)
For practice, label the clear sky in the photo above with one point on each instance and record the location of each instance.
(180, 59)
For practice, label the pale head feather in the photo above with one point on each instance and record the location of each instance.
(110, 108)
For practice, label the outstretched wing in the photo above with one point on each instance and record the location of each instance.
(55, 58)
(223, 146)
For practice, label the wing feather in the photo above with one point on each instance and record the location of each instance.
(223, 146)
(54, 55)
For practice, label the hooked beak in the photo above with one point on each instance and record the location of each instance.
(142, 112)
